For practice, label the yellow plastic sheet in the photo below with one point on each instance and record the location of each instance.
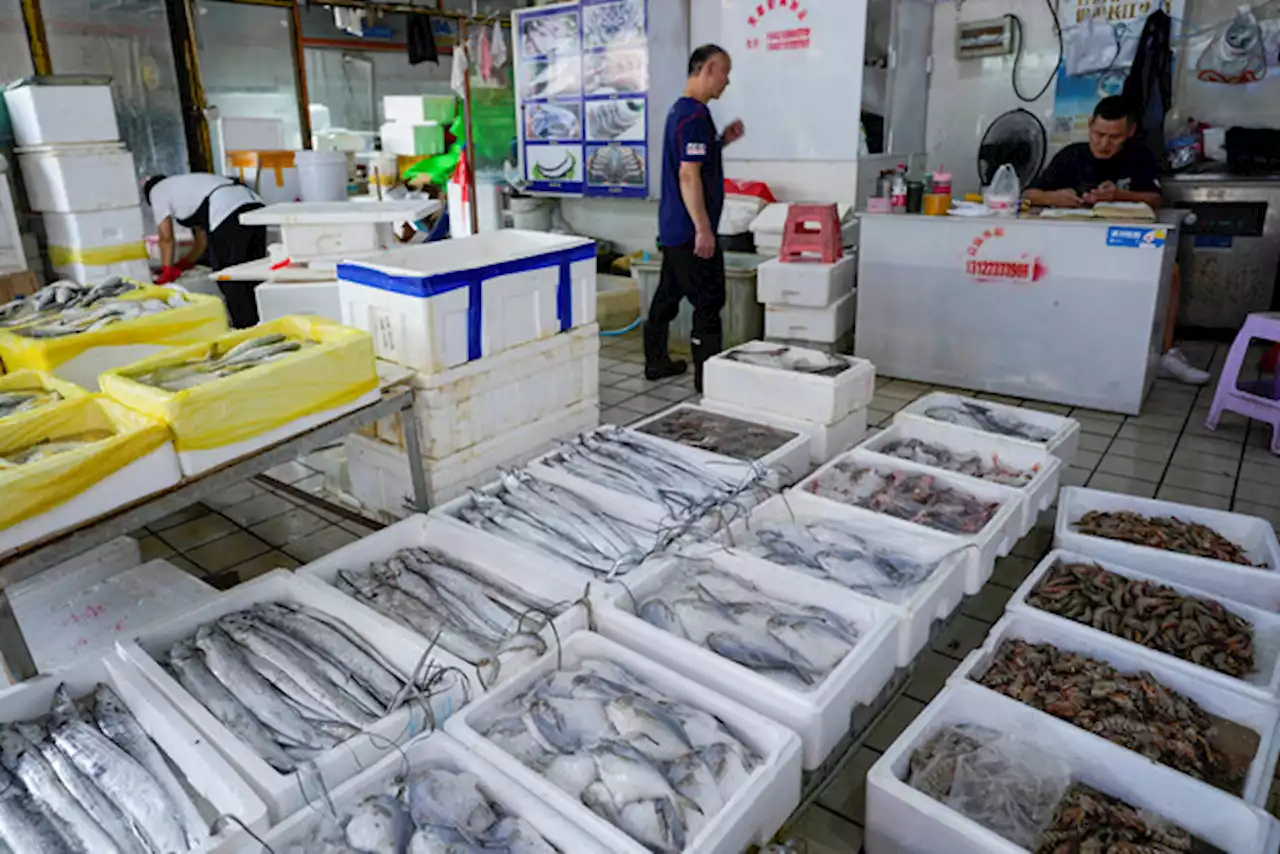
(34, 488)
(38, 381)
(201, 318)
(98, 256)
(244, 405)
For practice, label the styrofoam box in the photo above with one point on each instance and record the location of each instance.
(825, 325)
(791, 460)
(50, 115)
(85, 367)
(825, 440)
(1261, 716)
(276, 300)
(1258, 587)
(380, 477)
(196, 462)
(903, 820)
(996, 538)
(1264, 682)
(67, 178)
(338, 229)
(823, 400)
(801, 283)
(472, 403)
(1038, 495)
(820, 716)
(93, 274)
(751, 816)
(420, 303)
(412, 140)
(932, 601)
(419, 108)
(283, 793)
(96, 230)
(219, 789)
(492, 565)
(1066, 431)
(434, 751)
(155, 472)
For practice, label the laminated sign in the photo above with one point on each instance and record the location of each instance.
(1136, 238)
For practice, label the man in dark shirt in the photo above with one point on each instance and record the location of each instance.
(688, 213)
(1110, 167)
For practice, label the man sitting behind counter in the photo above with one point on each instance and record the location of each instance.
(1110, 167)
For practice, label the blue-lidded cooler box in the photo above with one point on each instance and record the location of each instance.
(438, 305)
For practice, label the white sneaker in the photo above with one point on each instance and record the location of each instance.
(1176, 365)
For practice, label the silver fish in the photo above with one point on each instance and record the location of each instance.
(23, 826)
(380, 823)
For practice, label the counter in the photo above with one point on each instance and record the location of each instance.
(1068, 312)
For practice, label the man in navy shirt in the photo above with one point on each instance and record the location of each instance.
(689, 211)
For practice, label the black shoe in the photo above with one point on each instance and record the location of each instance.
(669, 368)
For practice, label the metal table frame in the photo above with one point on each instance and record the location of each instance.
(41, 555)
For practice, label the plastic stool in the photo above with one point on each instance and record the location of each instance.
(800, 242)
(1259, 400)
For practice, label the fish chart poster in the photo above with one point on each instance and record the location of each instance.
(583, 98)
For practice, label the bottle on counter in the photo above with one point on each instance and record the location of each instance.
(898, 190)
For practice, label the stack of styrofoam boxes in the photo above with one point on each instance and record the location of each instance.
(831, 410)
(81, 179)
(12, 257)
(767, 227)
(415, 124)
(500, 332)
(809, 303)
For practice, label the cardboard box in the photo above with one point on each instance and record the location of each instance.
(21, 283)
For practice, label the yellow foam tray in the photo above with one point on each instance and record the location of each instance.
(238, 407)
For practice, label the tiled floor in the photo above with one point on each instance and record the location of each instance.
(1165, 452)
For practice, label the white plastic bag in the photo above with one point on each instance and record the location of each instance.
(1090, 46)
(1237, 54)
(1004, 195)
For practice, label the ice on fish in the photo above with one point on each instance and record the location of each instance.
(918, 498)
(973, 465)
(790, 359)
(656, 768)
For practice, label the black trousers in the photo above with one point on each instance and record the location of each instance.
(232, 243)
(700, 281)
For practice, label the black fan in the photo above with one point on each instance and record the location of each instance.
(1018, 138)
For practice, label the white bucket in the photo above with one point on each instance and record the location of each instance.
(531, 214)
(322, 175)
(489, 213)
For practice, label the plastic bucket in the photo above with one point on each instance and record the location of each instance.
(322, 175)
(531, 214)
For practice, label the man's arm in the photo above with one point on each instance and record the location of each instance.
(1052, 198)
(164, 230)
(199, 244)
(704, 241)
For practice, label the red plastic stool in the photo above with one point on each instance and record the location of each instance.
(801, 240)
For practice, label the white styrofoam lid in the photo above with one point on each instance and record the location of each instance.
(339, 213)
(466, 253)
(774, 217)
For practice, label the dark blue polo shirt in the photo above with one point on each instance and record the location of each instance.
(690, 137)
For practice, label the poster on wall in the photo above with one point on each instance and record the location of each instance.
(797, 77)
(583, 98)
(1100, 38)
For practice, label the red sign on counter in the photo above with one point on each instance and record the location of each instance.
(991, 258)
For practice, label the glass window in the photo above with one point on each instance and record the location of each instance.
(15, 57)
(128, 41)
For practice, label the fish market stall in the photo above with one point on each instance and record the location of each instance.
(1065, 312)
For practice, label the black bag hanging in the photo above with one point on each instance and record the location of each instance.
(422, 41)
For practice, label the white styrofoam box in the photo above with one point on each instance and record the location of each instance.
(283, 793)
(13, 256)
(218, 788)
(68, 178)
(478, 401)
(439, 305)
(412, 139)
(380, 477)
(52, 115)
(96, 229)
(85, 621)
(825, 440)
(823, 400)
(281, 299)
(933, 601)
(491, 565)
(84, 368)
(93, 274)
(338, 229)
(1258, 587)
(790, 460)
(1263, 682)
(437, 750)
(196, 462)
(247, 134)
(825, 325)
(1261, 716)
(750, 817)
(772, 221)
(419, 108)
(802, 283)
(903, 820)
(996, 538)
(56, 584)
(1066, 431)
(1038, 495)
(155, 472)
(819, 716)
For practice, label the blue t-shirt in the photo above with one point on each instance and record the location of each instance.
(690, 137)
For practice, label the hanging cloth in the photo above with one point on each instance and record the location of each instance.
(1149, 86)
(498, 41)
(422, 40)
(486, 57)
(461, 67)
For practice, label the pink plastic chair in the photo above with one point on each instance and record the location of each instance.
(1259, 400)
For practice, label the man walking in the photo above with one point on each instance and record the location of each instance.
(689, 211)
